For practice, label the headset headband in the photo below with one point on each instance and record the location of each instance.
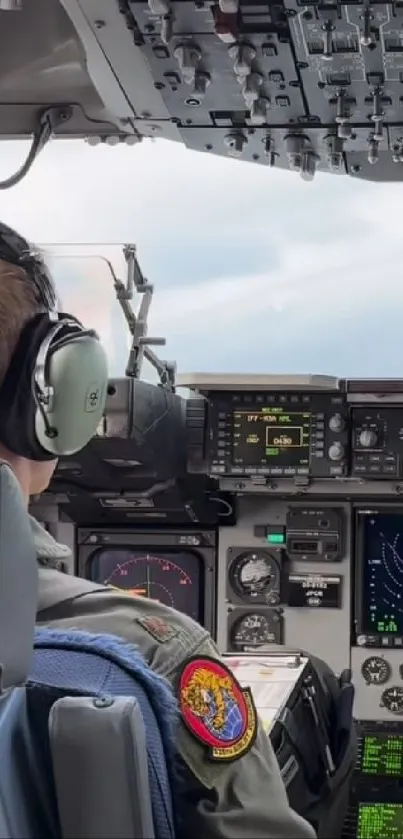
(17, 251)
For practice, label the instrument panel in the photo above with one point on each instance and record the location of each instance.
(304, 432)
(176, 567)
(301, 86)
(279, 435)
(311, 557)
(312, 553)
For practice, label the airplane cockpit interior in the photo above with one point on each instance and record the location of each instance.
(266, 507)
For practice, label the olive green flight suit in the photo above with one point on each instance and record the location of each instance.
(245, 799)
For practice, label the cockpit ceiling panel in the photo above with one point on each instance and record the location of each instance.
(42, 63)
(303, 85)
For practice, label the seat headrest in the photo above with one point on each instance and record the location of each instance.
(18, 583)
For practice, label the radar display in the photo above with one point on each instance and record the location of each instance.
(174, 579)
(382, 568)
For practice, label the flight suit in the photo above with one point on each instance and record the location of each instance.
(239, 800)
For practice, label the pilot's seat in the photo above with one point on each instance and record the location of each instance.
(19, 816)
(83, 745)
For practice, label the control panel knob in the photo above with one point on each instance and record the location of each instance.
(336, 423)
(368, 438)
(336, 451)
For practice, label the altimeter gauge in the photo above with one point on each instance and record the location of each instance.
(392, 700)
(375, 670)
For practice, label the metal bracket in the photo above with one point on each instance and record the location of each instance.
(137, 323)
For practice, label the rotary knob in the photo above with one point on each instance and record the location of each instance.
(336, 423)
(336, 451)
(368, 438)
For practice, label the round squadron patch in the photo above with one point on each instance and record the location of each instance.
(216, 710)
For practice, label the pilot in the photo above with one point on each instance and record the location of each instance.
(239, 793)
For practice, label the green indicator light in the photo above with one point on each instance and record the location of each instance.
(275, 538)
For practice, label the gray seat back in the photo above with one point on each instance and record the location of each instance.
(18, 602)
(100, 768)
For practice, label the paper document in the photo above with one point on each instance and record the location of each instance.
(271, 680)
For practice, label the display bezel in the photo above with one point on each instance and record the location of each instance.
(360, 512)
(320, 406)
(158, 541)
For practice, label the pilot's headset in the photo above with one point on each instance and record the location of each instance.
(53, 396)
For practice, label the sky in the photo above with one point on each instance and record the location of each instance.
(253, 270)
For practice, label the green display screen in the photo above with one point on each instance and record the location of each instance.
(382, 755)
(380, 821)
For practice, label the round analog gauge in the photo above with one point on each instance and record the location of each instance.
(375, 670)
(392, 700)
(255, 576)
(253, 630)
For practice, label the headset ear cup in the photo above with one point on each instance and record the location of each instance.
(17, 403)
(77, 378)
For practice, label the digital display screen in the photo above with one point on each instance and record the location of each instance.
(271, 437)
(173, 578)
(379, 820)
(382, 755)
(382, 583)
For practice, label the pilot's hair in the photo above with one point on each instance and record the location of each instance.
(18, 304)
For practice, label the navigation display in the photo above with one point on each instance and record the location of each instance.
(382, 755)
(271, 437)
(380, 820)
(381, 543)
(173, 578)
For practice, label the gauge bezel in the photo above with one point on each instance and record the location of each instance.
(161, 541)
(235, 616)
(385, 664)
(385, 706)
(235, 556)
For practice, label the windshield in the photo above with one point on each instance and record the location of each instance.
(83, 280)
(253, 269)
(84, 277)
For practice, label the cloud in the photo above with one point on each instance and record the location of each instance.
(253, 269)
